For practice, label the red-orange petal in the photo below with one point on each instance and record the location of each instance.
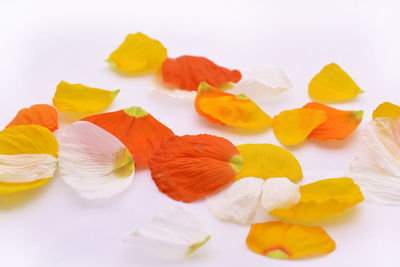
(187, 72)
(190, 167)
(140, 132)
(41, 114)
(339, 124)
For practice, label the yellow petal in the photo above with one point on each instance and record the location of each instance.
(235, 110)
(322, 199)
(292, 127)
(331, 84)
(82, 99)
(138, 54)
(386, 109)
(280, 240)
(266, 161)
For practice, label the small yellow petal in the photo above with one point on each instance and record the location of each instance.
(267, 161)
(331, 84)
(386, 109)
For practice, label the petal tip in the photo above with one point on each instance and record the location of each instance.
(136, 112)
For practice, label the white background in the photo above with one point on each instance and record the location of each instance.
(44, 42)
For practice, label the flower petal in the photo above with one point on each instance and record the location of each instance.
(190, 167)
(279, 193)
(332, 83)
(138, 54)
(140, 132)
(266, 161)
(94, 162)
(386, 109)
(280, 240)
(82, 99)
(187, 72)
(173, 233)
(44, 115)
(238, 202)
(292, 127)
(339, 124)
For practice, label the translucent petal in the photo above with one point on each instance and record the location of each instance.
(94, 162)
(386, 109)
(238, 202)
(82, 99)
(138, 54)
(44, 115)
(292, 127)
(280, 240)
(279, 193)
(331, 84)
(173, 233)
(266, 161)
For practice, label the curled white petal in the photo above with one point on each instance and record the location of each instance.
(279, 193)
(94, 162)
(237, 202)
(24, 168)
(173, 233)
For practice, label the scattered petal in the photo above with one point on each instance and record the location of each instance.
(94, 162)
(44, 115)
(82, 99)
(187, 72)
(292, 127)
(176, 232)
(190, 167)
(266, 161)
(140, 132)
(280, 240)
(322, 199)
(279, 193)
(138, 54)
(386, 109)
(339, 124)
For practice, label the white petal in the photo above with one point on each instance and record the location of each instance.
(23, 168)
(90, 160)
(167, 89)
(261, 84)
(238, 202)
(279, 193)
(376, 184)
(173, 233)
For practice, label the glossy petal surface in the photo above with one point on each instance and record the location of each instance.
(44, 115)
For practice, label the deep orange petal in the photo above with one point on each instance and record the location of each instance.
(42, 114)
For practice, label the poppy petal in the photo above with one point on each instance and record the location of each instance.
(387, 109)
(44, 115)
(279, 193)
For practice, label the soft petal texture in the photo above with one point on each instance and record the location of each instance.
(187, 72)
(292, 127)
(140, 132)
(175, 232)
(190, 167)
(238, 202)
(82, 99)
(322, 199)
(386, 109)
(332, 84)
(94, 162)
(280, 240)
(138, 54)
(266, 161)
(279, 193)
(41, 114)
(339, 124)
(26, 139)
(262, 84)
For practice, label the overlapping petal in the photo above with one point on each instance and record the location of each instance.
(41, 114)
(279, 193)
(387, 109)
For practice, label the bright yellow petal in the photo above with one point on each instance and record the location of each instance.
(266, 161)
(9, 188)
(280, 240)
(292, 127)
(331, 84)
(82, 99)
(138, 54)
(386, 109)
(235, 110)
(322, 199)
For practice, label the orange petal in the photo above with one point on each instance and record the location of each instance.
(190, 167)
(187, 72)
(339, 124)
(280, 240)
(140, 132)
(44, 115)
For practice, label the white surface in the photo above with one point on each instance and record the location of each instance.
(43, 43)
